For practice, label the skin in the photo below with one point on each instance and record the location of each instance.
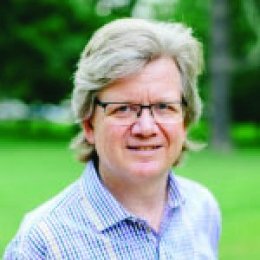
(134, 160)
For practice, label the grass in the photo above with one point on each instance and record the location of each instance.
(32, 171)
(234, 179)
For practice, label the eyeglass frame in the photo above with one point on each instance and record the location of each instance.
(102, 104)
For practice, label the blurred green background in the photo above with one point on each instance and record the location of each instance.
(40, 43)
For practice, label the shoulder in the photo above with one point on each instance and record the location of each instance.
(57, 205)
(35, 232)
(199, 203)
(194, 191)
(202, 210)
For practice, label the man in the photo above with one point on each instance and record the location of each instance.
(135, 96)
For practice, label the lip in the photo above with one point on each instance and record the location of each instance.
(144, 148)
(144, 152)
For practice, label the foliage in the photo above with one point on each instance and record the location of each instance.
(242, 135)
(40, 43)
(37, 130)
(244, 37)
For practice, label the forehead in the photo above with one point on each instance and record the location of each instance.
(159, 79)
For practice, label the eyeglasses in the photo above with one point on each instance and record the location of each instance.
(123, 113)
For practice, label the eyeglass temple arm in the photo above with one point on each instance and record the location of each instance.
(99, 103)
(184, 102)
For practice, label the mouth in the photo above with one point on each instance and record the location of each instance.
(144, 148)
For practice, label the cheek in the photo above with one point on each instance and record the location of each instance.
(177, 140)
(175, 134)
(108, 138)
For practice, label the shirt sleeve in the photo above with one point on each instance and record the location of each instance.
(12, 251)
(215, 225)
(28, 244)
(18, 250)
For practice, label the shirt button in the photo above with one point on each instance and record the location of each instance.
(151, 238)
(148, 229)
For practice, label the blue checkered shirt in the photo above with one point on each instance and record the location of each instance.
(85, 221)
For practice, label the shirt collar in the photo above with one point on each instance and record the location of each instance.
(175, 196)
(102, 207)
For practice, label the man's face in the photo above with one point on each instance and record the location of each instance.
(144, 149)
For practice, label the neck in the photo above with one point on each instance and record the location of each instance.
(145, 199)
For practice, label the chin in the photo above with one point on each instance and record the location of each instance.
(148, 169)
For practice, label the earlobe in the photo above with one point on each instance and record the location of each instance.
(88, 131)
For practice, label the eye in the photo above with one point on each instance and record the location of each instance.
(166, 108)
(161, 106)
(118, 109)
(122, 108)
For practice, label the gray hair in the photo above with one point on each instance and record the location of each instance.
(122, 48)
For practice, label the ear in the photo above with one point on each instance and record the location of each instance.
(88, 130)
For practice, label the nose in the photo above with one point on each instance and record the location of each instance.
(144, 125)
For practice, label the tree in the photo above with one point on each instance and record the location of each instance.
(231, 39)
(246, 62)
(41, 42)
(220, 75)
